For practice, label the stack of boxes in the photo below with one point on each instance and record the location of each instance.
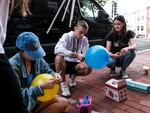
(116, 89)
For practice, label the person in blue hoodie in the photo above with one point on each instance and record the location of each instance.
(27, 64)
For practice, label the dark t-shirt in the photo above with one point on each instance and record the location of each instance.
(118, 42)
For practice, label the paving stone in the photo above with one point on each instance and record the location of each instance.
(94, 85)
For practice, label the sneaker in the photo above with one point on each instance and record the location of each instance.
(72, 82)
(123, 75)
(94, 111)
(112, 73)
(65, 89)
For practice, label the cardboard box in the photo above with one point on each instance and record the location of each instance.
(116, 89)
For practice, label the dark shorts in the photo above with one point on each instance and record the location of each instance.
(70, 67)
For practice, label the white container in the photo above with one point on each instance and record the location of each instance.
(116, 89)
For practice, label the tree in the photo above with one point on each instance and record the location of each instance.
(101, 2)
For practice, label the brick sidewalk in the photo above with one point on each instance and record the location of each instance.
(94, 85)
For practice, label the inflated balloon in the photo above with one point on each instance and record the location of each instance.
(48, 93)
(97, 57)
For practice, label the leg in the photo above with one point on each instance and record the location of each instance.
(56, 105)
(125, 61)
(60, 65)
(112, 64)
(77, 69)
(82, 69)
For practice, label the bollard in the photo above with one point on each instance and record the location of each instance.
(146, 70)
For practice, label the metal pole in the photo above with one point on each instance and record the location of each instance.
(65, 10)
(55, 16)
(72, 12)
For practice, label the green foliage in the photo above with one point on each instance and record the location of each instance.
(101, 2)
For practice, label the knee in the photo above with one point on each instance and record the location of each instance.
(59, 59)
(85, 71)
(131, 54)
(63, 102)
(88, 71)
(111, 63)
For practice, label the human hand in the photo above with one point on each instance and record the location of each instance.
(117, 55)
(58, 77)
(124, 51)
(49, 84)
(80, 56)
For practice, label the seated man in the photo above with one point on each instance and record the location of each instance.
(27, 64)
(70, 51)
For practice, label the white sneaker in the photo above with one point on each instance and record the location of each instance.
(65, 89)
(94, 111)
(72, 82)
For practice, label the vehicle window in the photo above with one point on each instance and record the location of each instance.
(39, 6)
(92, 11)
(88, 9)
(53, 5)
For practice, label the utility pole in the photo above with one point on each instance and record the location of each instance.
(114, 8)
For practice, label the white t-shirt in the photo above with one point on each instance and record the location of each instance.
(4, 7)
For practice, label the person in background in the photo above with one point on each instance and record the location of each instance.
(11, 96)
(69, 59)
(27, 64)
(120, 43)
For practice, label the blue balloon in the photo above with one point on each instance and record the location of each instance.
(97, 57)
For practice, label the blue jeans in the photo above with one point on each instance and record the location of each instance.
(123, 62)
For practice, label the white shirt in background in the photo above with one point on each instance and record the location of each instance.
(4, 7)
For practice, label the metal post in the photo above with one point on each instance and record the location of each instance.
(55, 16)
(72, 12)
(65, 10)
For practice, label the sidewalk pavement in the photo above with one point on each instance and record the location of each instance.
(94, 85)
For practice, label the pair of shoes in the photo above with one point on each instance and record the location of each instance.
(112, 73)
(65, 89)
(123, 75)
(72, 82)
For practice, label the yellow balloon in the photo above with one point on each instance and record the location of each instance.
(48, 93)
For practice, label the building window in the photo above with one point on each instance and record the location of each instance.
(148, 24)
(138, 19)
(137, 28)
(142, 28)
(142, 18)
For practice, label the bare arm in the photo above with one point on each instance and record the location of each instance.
(108, 47)
(132, 46)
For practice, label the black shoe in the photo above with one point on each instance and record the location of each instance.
(112, 73)
(123, 75)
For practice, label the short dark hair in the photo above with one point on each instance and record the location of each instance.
(83, 24)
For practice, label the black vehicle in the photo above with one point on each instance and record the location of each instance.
(51, 18)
